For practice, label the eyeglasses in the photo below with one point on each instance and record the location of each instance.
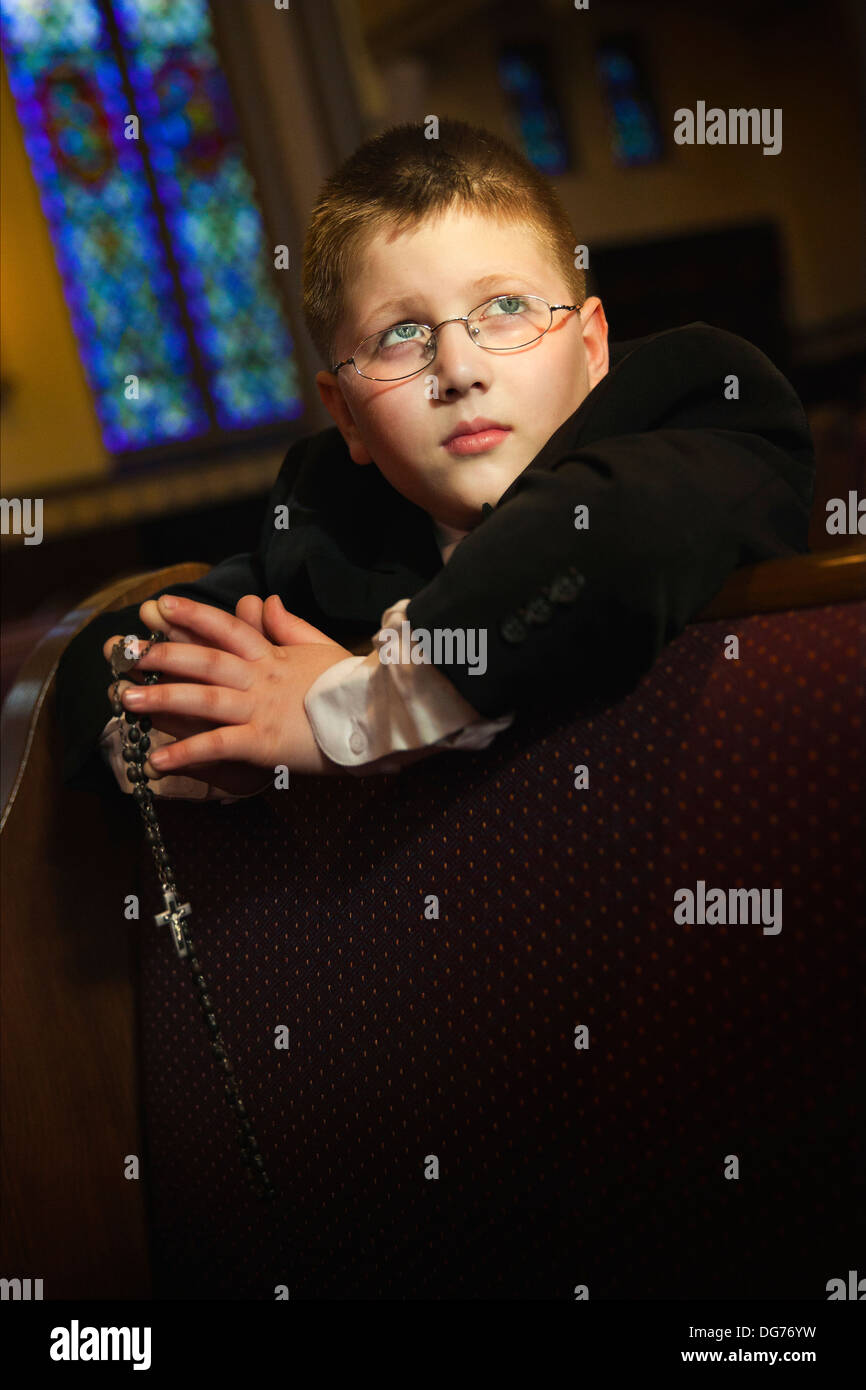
(501, 324)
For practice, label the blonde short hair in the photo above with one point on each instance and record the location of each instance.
(395, 179)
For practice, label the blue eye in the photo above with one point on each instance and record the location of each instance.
(403, 330)
(515, 301)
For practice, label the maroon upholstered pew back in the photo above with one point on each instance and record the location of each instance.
(435, 941)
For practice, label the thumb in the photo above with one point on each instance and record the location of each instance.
(287, 629)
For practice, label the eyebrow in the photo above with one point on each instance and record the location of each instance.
(400, 304)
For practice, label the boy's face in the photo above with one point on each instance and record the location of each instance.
(435, 269)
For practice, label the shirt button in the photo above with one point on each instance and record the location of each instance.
(357, 742)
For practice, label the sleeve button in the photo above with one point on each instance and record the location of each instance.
(357, 741)
(513, 630)
(566, 587)
(538, 611)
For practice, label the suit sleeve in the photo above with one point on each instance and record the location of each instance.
(579, 615)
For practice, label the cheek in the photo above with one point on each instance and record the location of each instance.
(393, 414)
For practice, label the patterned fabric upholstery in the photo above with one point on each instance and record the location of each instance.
(455, 1037)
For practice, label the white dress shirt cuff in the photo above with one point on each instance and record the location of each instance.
(373, 716)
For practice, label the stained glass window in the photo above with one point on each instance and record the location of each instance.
(524, 72)
(634, 128)
(159, 239)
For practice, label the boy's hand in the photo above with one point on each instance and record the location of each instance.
(236, 778)
(233, 690)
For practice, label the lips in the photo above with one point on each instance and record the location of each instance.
(476, 426)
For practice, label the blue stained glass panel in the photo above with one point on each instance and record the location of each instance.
(109, 243)
(523, 72)
(209, 202)
(634, 128)
(91, 181)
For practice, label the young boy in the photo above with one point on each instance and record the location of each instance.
(498, 479)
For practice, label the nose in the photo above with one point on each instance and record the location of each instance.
(458, 362)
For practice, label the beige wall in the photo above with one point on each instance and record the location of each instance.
(802, 62)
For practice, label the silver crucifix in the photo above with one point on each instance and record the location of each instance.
(173, 917)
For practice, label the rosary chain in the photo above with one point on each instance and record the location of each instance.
(136, 743)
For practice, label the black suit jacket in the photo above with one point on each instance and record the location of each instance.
(682, 484)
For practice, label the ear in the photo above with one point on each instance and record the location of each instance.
(594, 329)
(335, 403)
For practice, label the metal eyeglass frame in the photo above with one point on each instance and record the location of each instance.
(461, 318)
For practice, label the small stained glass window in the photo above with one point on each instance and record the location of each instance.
(524, 72)
(635, 134)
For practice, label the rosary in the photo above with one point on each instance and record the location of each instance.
(134, 737)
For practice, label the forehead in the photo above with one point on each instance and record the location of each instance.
(435, 264)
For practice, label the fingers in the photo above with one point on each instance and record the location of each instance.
(177, 725)
(287, 628)
(213, 746)
(228, 633)
(191, 661)
(249, 610)
(214, 704)
(108, 647)
(132, 675)
(151, 616)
